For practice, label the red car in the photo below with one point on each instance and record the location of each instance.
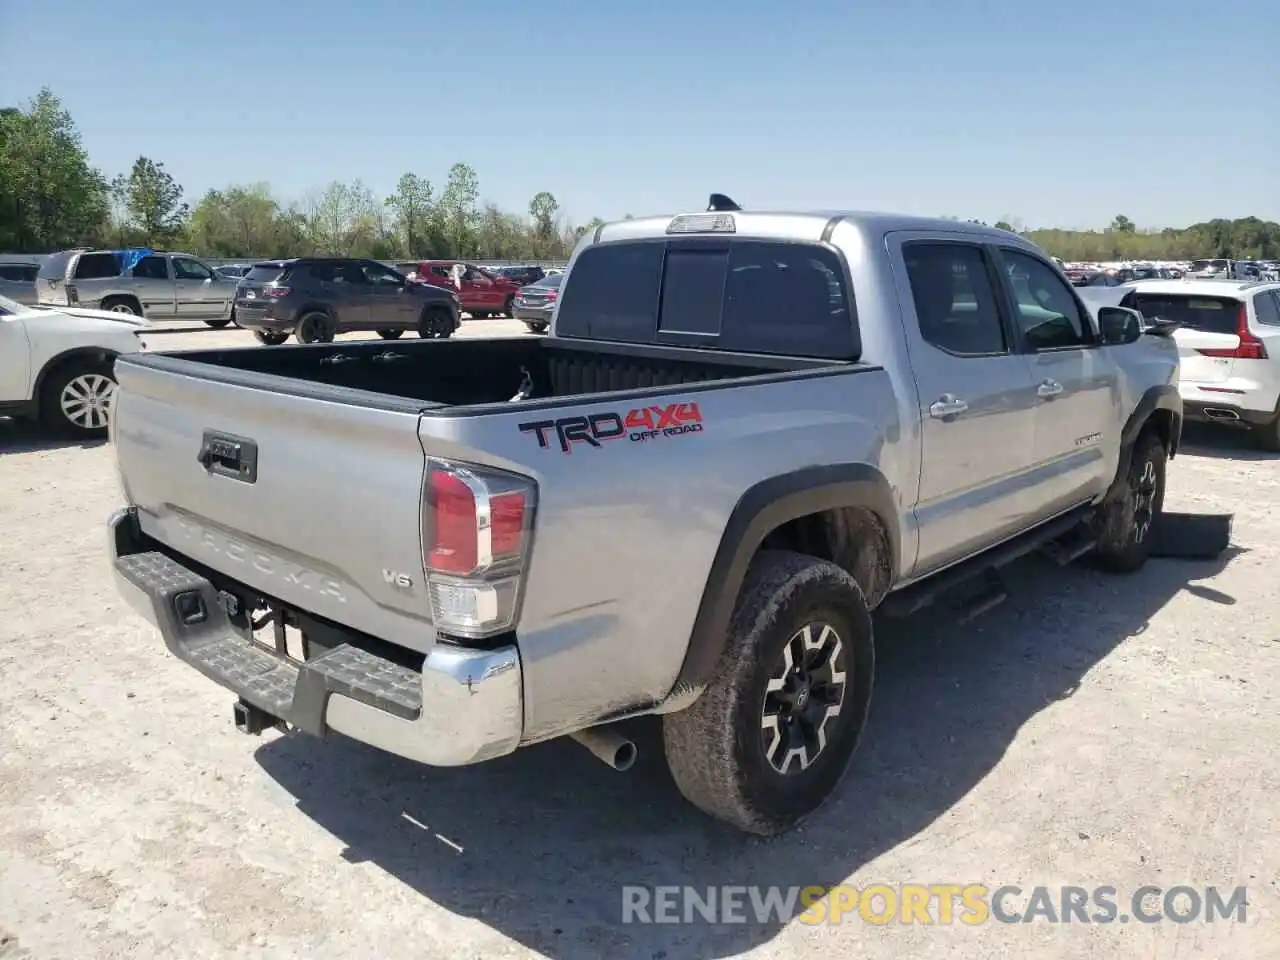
(482, 294)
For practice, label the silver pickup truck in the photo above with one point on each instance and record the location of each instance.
(159, 286)
(746, 432)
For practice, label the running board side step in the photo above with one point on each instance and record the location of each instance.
(917, 596)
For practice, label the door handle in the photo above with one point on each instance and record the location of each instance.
(947, 406)
(1049, 389)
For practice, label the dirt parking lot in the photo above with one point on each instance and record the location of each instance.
(1092, 731)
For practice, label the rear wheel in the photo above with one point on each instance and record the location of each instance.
(391, 334)
(219, 323)
(435, 324)
(479, 314)
(1132, 509)
(509, 307)
(315, 327)
(76, 399)
(772, 735)
(270, 338)
(535, 327)
(126, 305)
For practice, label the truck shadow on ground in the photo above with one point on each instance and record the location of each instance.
(538, 845)
(1221, 443)
(20, 436)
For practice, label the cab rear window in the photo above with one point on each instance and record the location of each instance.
(748, 296)
(1206, 314)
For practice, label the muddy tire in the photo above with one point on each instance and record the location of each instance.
(1132, 508)
(771, 737)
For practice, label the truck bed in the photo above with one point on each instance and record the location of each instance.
(469, 372)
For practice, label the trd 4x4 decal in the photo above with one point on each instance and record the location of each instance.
(639, 425)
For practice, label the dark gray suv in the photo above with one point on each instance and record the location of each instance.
(316, 298)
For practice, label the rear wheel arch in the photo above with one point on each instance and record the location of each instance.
(76, 355)
(845, 513)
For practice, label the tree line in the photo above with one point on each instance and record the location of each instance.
(52, 197)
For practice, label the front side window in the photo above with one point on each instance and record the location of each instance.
(381, 276)
(185, 269)
(1050, 317)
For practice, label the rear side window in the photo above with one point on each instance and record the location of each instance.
(18, 272)
(54, 266)
(1266, 306)
(1206, 314)
(97, 266)
(749, 296)
(955, 299)
(264, 272)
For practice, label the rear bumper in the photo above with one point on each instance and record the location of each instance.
(251, 319)
(463, 706)
(532, 314)
(1226, 410)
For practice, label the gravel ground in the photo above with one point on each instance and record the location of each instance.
(1090, 731)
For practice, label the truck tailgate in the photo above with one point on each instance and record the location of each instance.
(332, 500)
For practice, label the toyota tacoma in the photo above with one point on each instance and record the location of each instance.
(746, 432)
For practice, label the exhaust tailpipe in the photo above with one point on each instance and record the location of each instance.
(1220, 413)
(608, 745)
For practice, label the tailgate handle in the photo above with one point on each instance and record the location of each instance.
(229, 456)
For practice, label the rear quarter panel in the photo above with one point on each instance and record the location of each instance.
(626, 531)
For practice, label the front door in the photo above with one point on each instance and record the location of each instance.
(1078, 406)
(197, 291)
(390, 307)
(976, 398)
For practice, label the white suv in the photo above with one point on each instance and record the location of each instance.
(57, 366)
(1228, 345)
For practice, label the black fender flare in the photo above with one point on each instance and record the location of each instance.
(762, 509)
(1162, 396)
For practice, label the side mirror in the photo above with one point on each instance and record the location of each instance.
(1119, 325)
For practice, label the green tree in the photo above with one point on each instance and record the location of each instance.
(543, 209)
(457, 209)
(50, 197)
(413, 204)
(153, 200)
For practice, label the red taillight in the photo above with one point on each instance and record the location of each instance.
(277, 291)
(552, 294)
(475, 529)
(1251, 348)
(451, 524)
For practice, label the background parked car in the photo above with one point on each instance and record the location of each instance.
(18, 281)
(482, 294)
(522, 275)
(232, 271)
(316, 298)
(534, 303)
(172, 286)
(57, 366)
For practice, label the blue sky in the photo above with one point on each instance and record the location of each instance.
(1063, 113)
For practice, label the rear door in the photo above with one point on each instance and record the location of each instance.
(1209, 331)
(481, 290)
(976, 398)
